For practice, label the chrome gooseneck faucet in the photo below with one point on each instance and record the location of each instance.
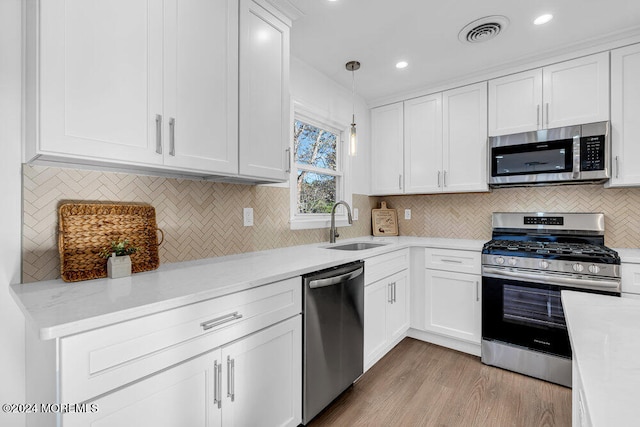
(333, 232)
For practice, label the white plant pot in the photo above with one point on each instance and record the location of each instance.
(119, 266)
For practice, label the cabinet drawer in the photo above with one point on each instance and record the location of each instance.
(381, 266)
(453, 260)
(97, 361)
(630, 278)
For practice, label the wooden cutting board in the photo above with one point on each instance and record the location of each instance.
(384, 221)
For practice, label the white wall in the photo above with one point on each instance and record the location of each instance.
(317, 91)
(12, 353)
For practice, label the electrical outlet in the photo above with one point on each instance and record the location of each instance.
(248, 217)
(407, 214)
(355, 214)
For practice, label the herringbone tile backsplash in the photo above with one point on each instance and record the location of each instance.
(200, 219)
(203, 219)
(469, 215)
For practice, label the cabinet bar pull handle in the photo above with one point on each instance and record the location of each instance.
(288, 151)
(538, 115)
(617, 168)
(217, 386)
(477, 291)
(231, 387)
(400, 181)
(389, 292)
(444, 178)
(394, 292)
(438, 179)
(158, 134)
(547, 114)
(453, 261)
(172, 136)
(220, 320)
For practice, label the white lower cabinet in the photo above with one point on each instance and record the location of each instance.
(234, 360)
(452, 304)
(263, 382)
(182, 395)
(447, 287)
(254, 381)
(386, 306)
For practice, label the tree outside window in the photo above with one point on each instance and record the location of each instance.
(317, 160)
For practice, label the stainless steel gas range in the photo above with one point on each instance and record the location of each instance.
(531, 258)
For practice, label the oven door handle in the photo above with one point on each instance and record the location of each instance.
(609, 285)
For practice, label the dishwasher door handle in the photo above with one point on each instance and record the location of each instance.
(319, 283)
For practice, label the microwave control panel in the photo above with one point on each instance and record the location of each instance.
(592, 153)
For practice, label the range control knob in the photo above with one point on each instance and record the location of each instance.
(594, 269)
(499, 260)
(577, 267)
(512, 261)
(543, 264)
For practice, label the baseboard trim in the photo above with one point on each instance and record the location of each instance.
(452, 343)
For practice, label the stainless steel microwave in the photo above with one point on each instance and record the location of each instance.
(569, 154)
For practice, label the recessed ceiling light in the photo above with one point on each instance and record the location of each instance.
(402, 64)
(543, 19)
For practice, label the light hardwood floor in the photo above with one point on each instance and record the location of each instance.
(422, 384)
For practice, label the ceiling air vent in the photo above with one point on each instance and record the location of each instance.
(483, 29)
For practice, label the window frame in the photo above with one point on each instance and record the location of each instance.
(323, 120)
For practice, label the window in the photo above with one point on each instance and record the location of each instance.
(317, 178)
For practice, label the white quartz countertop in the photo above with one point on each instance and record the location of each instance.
(630, 255)
(605, 338)
(56, 309)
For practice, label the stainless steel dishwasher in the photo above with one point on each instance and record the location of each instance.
(333, 319)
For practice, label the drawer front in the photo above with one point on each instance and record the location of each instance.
(453, 260)
(381, 266)
(97, 361)
(630, 278)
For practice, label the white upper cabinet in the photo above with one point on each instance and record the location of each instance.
(423, 144)
(515, 103)
(387, 149)
(99, 79)
(625, 114)
(264, 92)
(464, 143)
(201, 85)
(153, 85)
(432, 144)
(568, 93)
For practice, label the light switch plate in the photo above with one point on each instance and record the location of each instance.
(407, 214)
(248, 217)
(355, 214)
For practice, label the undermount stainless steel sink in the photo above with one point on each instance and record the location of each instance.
(357, 246)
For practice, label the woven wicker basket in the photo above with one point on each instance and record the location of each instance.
(85, 229)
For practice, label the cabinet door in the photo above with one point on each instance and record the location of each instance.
(264, 93)
(398, 308)
(264, 377)
(387, 149)
(625, 111)
(201, 85)
(376, 297)
(423, 144)
(465, 139)
(515, 103)
(452, 302)
(180, 396)
(100, 79)
(576, 92)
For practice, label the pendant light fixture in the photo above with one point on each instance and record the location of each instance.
(353, 66)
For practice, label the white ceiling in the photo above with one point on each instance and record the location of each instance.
(379, 33)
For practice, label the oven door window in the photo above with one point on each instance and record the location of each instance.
(536, 158)
(526, 314)
(532, 307)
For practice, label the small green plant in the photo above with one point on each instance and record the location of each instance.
(121, 248)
